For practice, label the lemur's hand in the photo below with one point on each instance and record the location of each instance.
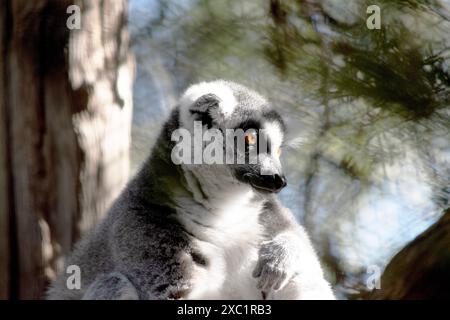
(278, 262)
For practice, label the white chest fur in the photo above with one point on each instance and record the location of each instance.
(228, 235)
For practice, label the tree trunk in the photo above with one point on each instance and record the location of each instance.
(421, 270)
(64, 131)
(4, 173)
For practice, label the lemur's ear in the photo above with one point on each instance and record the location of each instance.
(208, 102)
(204, 103)
(205, 109)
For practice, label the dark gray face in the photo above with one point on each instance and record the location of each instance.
(265, 176)
(258, 129)
(263, 136)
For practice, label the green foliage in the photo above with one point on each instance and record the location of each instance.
(400, 71)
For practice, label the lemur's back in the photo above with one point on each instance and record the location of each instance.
(92, 256)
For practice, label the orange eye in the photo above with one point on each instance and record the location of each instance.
(279, 152)
(250, 138)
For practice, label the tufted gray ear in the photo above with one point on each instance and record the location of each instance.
(205, 109)
(205, 102)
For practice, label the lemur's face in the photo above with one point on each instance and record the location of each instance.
(252, 131)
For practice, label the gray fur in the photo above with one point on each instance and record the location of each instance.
(197, 231)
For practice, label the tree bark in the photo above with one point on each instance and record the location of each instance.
(66, 114)
(4, 173)
(421, 270)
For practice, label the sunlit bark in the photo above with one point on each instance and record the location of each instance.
(64, 130)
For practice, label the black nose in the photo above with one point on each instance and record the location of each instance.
(266, 183)
(280, 181)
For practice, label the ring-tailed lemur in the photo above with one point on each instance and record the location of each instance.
(201, 231)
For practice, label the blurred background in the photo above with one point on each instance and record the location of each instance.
(368, 114)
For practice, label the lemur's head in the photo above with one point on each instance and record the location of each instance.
(250, 131)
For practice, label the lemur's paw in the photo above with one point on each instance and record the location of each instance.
(277, 264)
(172, 292)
